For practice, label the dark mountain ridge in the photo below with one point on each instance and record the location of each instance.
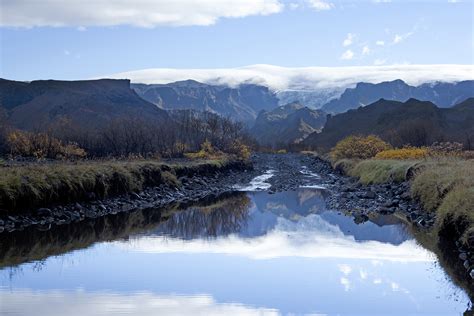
(443, 94)
(412, 122)
(88, 103)
(287, 124)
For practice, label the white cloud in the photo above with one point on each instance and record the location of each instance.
(379, 62)
(347, 55)
(365, 50)
(294, 6)
(320, 5)
(81, 28)
(80, 302)
(400, 38)
(380, 43)
(348, 40)
(66, 52)
(346, 283)
(377, 281)
(142, 13)
(345, 269)
(304, 78)
(382, 1)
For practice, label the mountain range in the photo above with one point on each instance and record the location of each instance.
(443, 94)
(90, 103)
(241, 103)
(287, 124)
(412, 122)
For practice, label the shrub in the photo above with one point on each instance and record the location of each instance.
(358, 147)
(240, 150)
(452, 149)
(41, 145)
(207, 152)
(403, 153)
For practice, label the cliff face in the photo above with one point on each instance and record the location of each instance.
(89, 103)
(241, 103)
(287, 124)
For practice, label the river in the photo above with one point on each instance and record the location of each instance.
(249, 252)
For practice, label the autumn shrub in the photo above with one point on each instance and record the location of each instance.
(41, 145)
(442, 149)
(239, 149)
(358, 147)
(404, 153)
(207, 151)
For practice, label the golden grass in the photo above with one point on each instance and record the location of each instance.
(406, 153)
(380, 171)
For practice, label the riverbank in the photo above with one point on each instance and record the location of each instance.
(58, 194)
(443, 187)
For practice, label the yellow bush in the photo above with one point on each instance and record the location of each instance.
(207, 152)
(41, 145)
(240, 150)
(358, 147)
(403, 153)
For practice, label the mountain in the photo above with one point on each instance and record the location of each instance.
(287, 124)
(90, 103)
(313, 98)
(412, 122)
(241, 103)
(443, 94)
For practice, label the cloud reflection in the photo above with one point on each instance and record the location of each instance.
(71, 303)
(310, 237)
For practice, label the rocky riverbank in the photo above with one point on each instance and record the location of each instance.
(194, 184)
(284, 172)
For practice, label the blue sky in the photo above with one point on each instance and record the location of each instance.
(40, 40)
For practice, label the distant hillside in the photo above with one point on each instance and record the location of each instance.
(287, 124)
(314, 98)
(413, 122)
(242, 103)
(89, 103)
(443, 94)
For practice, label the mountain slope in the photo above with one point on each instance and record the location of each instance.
(241, 103)
(89, 103)
(443, 94)
(287, 124)
(413, 122)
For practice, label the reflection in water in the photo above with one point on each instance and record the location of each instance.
(254, 253)
(60, 303)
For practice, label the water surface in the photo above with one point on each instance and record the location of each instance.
(248, 253)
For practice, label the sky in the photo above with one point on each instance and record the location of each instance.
(81, 39)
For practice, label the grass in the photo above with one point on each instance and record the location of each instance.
(30, 186)
(380, 171)
(447, 188)
(443, 185)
